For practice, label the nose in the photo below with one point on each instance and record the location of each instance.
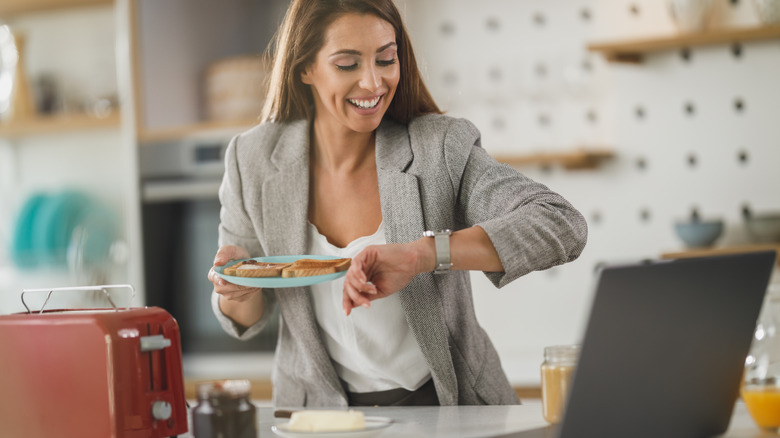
(370, 79)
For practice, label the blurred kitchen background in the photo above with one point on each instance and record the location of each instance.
(114, 116)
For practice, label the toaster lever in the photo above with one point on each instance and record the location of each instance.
(154, 342)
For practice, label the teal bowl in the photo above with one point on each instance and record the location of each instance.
(699, 234)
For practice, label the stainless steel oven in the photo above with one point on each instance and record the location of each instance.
(180, 215)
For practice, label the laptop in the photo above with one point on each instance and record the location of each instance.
(664, 348)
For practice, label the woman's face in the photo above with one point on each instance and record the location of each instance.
(355, 74)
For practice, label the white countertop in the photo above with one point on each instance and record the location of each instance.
(478, 421)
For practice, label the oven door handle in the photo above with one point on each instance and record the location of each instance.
(163, 191)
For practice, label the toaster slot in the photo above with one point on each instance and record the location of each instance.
(154, 345)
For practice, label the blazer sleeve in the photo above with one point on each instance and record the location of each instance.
(236, 228)
(531, 227)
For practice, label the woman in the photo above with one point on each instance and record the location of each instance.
(354, 159)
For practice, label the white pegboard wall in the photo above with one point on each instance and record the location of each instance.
(690, 128)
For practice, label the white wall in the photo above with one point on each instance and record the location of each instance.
(482, 61)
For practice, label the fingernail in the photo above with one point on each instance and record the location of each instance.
(366, 305)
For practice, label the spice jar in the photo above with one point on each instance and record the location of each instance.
(224, 410)
(761, 385)
(557, 371)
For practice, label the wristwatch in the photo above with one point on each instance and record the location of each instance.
(441, 239)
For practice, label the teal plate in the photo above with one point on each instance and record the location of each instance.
(22, 251)
(279, 282)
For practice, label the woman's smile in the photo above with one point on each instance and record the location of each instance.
(366, 102)
(366, 105)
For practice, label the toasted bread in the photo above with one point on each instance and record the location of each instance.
(311, 267)
(255, 269)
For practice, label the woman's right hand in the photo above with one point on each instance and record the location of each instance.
(227, 290)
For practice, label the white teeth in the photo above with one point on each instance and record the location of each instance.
(365, 103)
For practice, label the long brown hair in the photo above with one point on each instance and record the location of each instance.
(302, 35)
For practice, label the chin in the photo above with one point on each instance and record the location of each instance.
(366, 126)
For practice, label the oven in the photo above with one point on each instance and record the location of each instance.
(180, 215)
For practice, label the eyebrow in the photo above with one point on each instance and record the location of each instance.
(357, 52)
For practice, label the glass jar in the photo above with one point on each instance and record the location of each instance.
(224, 410)
(761, 385)
(557, 372)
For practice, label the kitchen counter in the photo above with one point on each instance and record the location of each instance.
(479, 421)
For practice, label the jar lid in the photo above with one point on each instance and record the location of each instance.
(562, 353)
(224, 388)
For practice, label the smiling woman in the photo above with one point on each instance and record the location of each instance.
(354, 160)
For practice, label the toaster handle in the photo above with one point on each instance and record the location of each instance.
(154, 342)
(104, 288)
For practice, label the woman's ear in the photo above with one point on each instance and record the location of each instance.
(306, 76)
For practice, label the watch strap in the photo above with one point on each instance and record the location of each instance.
(441, 241)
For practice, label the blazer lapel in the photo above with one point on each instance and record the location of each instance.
(285, 227)
(402, 212)
(286, 203)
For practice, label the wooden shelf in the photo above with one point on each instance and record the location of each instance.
(582, 158)
(56, 124)
(701, 252)
(19, 7)
(632, 51)
(196, 130)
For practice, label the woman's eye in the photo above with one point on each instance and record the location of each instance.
(386, 62)
(346, 67)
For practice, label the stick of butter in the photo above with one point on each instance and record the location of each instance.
(326, 421)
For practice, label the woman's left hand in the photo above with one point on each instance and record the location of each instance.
(380, 271)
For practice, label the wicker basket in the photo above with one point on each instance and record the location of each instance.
(235, 88)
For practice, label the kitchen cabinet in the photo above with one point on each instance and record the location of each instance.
(632, 51)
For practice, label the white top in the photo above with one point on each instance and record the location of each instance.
(372, 349)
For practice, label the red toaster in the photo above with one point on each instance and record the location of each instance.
(91, 373)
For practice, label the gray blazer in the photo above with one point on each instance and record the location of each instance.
(433, 174)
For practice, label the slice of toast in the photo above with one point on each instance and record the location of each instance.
(255, 269)
(311, 267)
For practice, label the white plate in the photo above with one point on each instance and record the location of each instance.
(374, 427)
(278, 282)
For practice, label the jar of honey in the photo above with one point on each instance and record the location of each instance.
(557, 372)
(761, 385)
